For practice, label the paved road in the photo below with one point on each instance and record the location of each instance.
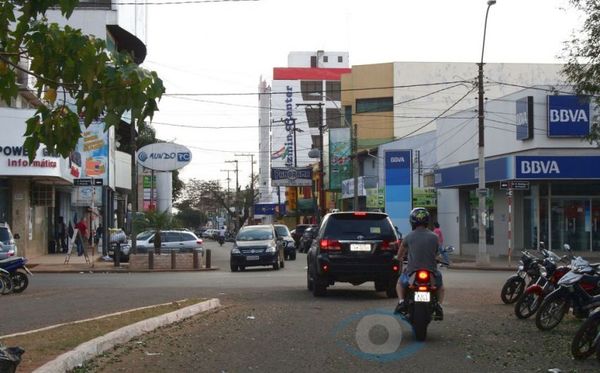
(269, 322)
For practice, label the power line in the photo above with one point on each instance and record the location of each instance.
(179, 2)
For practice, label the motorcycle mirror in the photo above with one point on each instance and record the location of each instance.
(566, 247)
(450, 249)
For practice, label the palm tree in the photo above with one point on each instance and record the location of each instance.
(154, 221)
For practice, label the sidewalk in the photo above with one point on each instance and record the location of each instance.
(55, 263)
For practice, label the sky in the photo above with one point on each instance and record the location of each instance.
(220, 50)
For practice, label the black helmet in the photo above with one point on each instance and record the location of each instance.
(419, 216)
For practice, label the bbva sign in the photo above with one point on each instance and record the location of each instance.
(568, 116)
(164, 156)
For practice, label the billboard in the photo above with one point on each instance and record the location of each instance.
(340, 167)
(398, 187)
(164, 156)
(293, 176)
(91, 153)
(568, 116)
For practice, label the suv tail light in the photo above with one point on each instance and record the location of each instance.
(330, 245)
(199, 242)
(390, 245)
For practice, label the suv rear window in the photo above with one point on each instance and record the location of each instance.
(349, 227)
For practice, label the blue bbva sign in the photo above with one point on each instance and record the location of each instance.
(558, 167)
(568, 116)
(398, 187)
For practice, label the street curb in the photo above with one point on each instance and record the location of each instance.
(122, 270)
(475, 268)
(88, 350)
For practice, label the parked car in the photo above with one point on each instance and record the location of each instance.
(209, 233)
(307, 238)
(289, 245)
(257, 245)
(298, 231)
(171, 240)
(354, 247)
(8, 246)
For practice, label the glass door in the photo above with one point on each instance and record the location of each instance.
(595, 224)
(571, 223)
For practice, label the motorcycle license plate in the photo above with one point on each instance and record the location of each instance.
(422, 296)
(360, 247)
(253, 257)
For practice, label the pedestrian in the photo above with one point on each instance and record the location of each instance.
(438, 232)
(81, 236)
(61, 236)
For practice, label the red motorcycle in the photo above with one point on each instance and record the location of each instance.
(529, 303)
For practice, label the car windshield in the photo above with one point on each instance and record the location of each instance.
(4, 236)
(144, 235)
(282, 231)
(255, 234)
(350, 227)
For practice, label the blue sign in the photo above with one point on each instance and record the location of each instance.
(568, 116)
(525, 118)
(398, 187)
(560, 167)
(269, 209)
(467, 174)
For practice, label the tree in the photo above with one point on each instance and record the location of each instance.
(583, 59)
(67, 63)
(156, 221)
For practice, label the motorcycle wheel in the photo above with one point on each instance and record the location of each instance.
(6, 284)
(20, 281)
(584, 342)
(551, 312)
(512, 289)
(528, 304)
(420, 320)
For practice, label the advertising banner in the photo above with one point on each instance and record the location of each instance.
(269, 209)
(568, 116)
(91, 152)
(340, 167)
(398, 187)
(299, 176)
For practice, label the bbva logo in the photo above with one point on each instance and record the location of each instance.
(568, 115)
(397, 160)
(539, 167)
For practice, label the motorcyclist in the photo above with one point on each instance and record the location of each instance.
(421, 247)
(221, 237)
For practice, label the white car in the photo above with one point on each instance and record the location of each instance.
(171, 240)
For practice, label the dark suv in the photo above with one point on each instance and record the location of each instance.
(298, 231)
(354, 247)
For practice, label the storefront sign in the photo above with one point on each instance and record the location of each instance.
(568, 116)
(525, 118)
(293, 176)
(164, 156)
(559, 167)
(398, 187)
(339, 157)
(269, 209)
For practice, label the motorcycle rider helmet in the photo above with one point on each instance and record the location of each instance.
(419, 216)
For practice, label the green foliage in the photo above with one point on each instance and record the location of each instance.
(582, 53)
(154, 221)
(100, 83)
(190, 217)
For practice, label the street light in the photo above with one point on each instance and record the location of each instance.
(483, 258)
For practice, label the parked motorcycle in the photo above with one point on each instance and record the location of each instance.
(421, 301)
(587, 339)
(576, 289)
(527, 273)
(18, 270)
(6, 284)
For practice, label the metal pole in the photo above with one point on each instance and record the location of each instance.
(134, 186)
(483, 258)
(355, 167)
(321, 170)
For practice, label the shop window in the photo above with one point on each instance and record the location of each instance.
(472, 218)
(42, 195)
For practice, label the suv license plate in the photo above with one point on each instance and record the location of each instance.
(360, 247)
(253, 257)
(422, 296)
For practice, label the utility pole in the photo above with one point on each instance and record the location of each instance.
(236, 199)
(228, 194)
(251, 213)
(320, 187)
(355, 167)
(418, 162)
(134, 186)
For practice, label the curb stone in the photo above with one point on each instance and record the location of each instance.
(88, 350)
